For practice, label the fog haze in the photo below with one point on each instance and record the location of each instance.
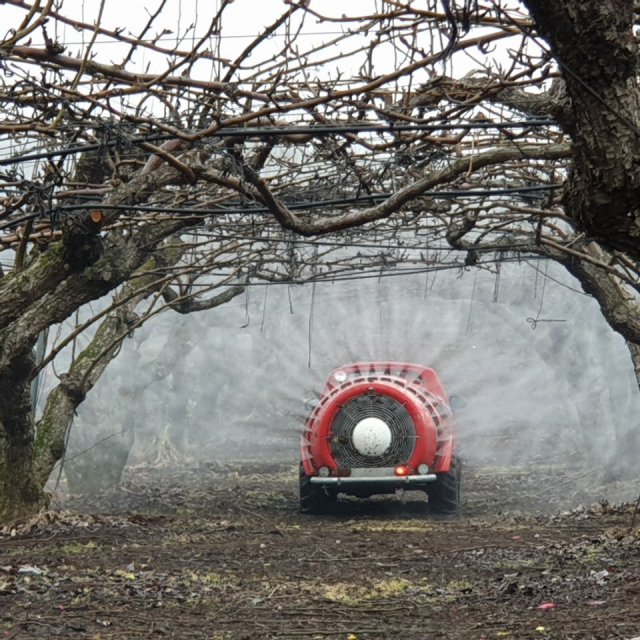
(545, 378)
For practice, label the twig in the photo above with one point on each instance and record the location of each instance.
(561, 484)
(270, 522)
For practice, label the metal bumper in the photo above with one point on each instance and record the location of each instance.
(397, 481)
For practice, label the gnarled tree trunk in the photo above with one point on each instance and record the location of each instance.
(595, 46)
(20, 491)
(46, 292)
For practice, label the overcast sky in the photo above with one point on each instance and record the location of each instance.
(186, 21)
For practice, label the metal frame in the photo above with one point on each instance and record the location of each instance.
(392, 480)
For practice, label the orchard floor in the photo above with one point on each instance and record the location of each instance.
(221, 552)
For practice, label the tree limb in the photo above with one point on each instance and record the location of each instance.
(189, 305)
(308, 226)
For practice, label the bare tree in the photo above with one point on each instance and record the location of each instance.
(482, 127)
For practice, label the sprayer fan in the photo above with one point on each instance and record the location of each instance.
(372, 405)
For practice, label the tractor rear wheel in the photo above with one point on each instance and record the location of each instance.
(444, 493)
(313, 497)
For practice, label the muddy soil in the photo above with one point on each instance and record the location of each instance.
(219, 551)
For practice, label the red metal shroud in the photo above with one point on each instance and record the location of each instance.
(416, 387)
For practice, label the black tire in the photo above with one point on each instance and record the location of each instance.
(313, 497)
(444, 493)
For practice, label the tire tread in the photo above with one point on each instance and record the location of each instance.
(444, 493)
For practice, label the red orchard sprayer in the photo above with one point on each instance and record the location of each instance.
(378, 427)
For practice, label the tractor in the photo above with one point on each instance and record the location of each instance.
(376, 428)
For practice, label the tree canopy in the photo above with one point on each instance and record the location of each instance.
(170, 166)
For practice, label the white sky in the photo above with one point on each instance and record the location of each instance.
(188, 20)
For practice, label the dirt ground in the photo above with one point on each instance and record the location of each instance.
(219, 551)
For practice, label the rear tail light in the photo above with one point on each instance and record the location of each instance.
(401, 470)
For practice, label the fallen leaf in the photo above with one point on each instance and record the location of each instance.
(124, 574)
(547, 605)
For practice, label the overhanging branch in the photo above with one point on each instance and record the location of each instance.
(307, 226)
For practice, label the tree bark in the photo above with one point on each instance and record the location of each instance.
(20, 492)
(46, 292)
(634, 347)
(64, 400)
(594, 45)
(306, 225)
(90, 364)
